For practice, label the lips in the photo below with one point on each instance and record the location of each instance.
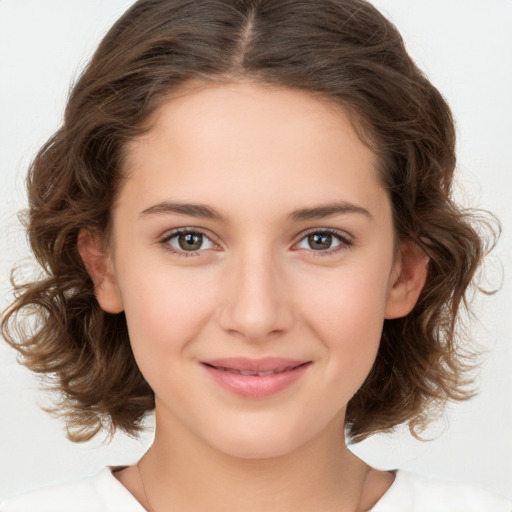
(255, 378)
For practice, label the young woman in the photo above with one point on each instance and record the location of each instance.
(246, 224)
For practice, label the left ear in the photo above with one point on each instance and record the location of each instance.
(407, 281)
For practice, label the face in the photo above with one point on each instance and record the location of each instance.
(253, 254)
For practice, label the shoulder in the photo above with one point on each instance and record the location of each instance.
(414, 493)
(97, 493)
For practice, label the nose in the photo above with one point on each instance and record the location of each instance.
(257, 301)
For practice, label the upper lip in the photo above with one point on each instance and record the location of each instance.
(266, 364)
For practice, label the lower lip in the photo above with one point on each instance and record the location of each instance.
(256, 386)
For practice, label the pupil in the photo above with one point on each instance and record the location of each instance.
(320, 241)
(189, 241)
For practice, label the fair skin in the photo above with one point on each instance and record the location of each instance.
(258, 282)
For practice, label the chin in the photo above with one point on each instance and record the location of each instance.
(258, 443)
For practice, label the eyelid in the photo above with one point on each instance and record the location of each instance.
(343, 235)
(186, 229)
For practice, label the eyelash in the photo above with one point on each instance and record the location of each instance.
(345, 242)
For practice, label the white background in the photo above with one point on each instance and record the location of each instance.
(465, 47)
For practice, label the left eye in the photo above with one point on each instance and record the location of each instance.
(323, 241)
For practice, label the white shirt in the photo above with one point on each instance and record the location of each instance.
(408, 493)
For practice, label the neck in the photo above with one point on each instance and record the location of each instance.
(183, 473)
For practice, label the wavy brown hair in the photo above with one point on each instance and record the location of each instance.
(342, 50)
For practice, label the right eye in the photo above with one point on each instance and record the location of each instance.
(187, 242)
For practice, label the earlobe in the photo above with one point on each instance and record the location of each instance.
(98, 264)
(408, 280)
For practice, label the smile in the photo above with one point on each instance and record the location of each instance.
(253, 372)
(255, 378)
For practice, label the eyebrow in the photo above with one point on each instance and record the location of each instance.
(327, 210)
(193, 210)
(206, 212)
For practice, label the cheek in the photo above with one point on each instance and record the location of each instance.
(347, 313)
(165, 311)
(348, 299)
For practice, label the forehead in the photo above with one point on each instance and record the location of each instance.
(211, 109)
(214, 141)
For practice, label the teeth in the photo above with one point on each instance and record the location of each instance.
(253, 373)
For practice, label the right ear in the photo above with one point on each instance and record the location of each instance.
(98, 264)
